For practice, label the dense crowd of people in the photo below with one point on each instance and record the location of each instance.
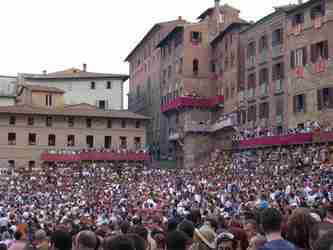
(273, 198)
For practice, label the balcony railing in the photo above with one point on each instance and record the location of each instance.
(224, 123)
(174, 136)
(196, 128)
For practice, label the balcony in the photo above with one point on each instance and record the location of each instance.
(251, 62)
(192, 102)
(263, 89)
(197, 128)
(263, 57)
(299, 72)
(278, 86)
(229, 121)
(277, 50)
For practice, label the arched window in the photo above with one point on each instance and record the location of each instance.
(195, 66)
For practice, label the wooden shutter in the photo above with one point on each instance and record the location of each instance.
(292, 59)
(326, 49)
(274, 72)
(320, 99)
(281, 70)
(313, 53)
(305, 59)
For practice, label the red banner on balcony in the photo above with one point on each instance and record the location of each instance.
(95, 156)
(283, 140)
(299, 72)
(320, 66)
(192, 102)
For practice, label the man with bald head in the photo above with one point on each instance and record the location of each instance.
(85, 240)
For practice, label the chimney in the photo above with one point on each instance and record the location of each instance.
(44, 72)
(180, 18)
(217, 4)
(84, 67)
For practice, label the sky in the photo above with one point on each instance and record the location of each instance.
(53, 35)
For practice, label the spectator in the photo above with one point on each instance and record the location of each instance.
(61, 240)
(86, 240)
(120, 242)
(325, 242)
(177, 240)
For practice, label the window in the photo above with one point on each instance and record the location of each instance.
(12, 120)
(48, 100)
(32, 165)
(232, 59)
(90, 141)
(102, 104)
(52, 140)
(325, 98)
(196, 37)
(178, 39)
(92, 85)
(137, 143)
(109, 85)
(226, 63)
(195, 66)
(319, 51)
(264, 110)
(243, 116)
(251, 85)
(109, 123)
(11, 164)
(88, 122)
(123, 123)
(32, 139)
(298, 19)
(70, 140)
(11, 139)
(277, 37)
(107, 142)
(299, 103)
(298, 57)
(317, 11)
(164, 75)
(263, 76)
(180, 67)
(49, 121)
(212, 67)
(123, 142)
(251, 50)
(252, 113)
(138, 92)
(31, 121)
(263, 44)
(169, 71)
(278, 71)
(70, 122)
(137, 124)
(169, 49)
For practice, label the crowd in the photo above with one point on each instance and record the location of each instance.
(137, 149)
(275, 198)
(262, 131)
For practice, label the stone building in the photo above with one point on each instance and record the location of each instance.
(41, 121)
(106, 91)
(310, 67)
(144, 82)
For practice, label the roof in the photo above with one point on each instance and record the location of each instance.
(220, 36)
(38, 88)
(210, 10)
(80, 110)
(169, 35)
(156, 26)
(303, 5)
(74, 73)
(277, 10)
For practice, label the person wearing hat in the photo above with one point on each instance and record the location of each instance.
(41, 241)
(204, 238)
(226, 241)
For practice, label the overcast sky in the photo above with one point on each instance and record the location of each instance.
(58, 34)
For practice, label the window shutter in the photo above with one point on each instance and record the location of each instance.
(313, 53)
(295, 103)
(292, 59)
(281, 35)
(326, 50)
(282, 70)
(330, 93)
(274, 72)
(305, 59)
(304, 102)
(319, 98)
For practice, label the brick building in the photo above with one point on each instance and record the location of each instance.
(310, 68)
(41, 121)
(144, 82)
